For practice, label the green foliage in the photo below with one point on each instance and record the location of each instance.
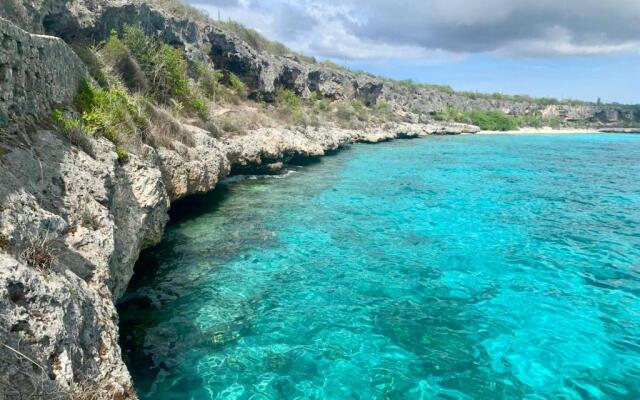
(228, 125)
(236, 84)
(166, 69)
(110, 112)
(412, 85)
(331, 65)
(492, 120)
(208, 79)
(383, 112)
(5, 243)
(73, 128)
(288, 100)
(68, 125)
(114, 49)
(290, 104)
(180, 9)
(199, 106)
(322, 105)
(360, 110)
(123, 155)
(312, 98)
(538, 121)
(258, 42)
(344, 111)
(169, 76)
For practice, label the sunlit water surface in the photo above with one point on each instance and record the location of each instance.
(475, 267)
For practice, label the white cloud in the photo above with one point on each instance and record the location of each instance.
(434, 30)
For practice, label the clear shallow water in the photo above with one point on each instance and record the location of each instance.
(474, 267)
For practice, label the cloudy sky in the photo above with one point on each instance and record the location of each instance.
(563, 48)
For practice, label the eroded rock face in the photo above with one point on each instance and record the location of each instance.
(265, 73)
(59, 203)
(36, 73)
(92, 217)
(72, 224)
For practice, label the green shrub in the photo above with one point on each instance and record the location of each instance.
(360, 110)
(492, 120)
(323, 105)
(287, 100)
(5, 243)
(137, 42)
(312, 98)
(199, 105)
(169, 77)
(208, 79)
(165, 68)
(258, 42)
(65, 123)
(331, 65)
(538, 121)
(181, 9)
(110, 112)
(89, 56)
(229, 125)
(73, 128)
(123, 155)
(236, 84)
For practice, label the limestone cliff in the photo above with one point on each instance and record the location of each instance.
(73, 219)
(82, 20)
(72, 223)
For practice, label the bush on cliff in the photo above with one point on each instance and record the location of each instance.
(491, 120)
(73, 128)
(290, 105)
(208, 79)
(538, 121)
(165, 68)
(111, 112)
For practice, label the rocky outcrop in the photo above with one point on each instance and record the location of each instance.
(93, 20)
(36, 73)
(90, 218)
(72, 224)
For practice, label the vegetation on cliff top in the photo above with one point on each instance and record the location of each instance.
(143, 87)
(495, 120)
(261, 44)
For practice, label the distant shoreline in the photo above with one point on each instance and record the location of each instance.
(524, 131)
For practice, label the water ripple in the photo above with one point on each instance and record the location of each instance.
(455, 268)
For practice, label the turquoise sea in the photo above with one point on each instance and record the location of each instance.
(469, 267)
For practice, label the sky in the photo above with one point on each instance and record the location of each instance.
(582, 49)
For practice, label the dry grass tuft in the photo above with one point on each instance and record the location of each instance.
(38, 253)
(165, 129)
(101, 391)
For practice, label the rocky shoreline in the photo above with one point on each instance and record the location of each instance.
(74, 217)
(94, 216)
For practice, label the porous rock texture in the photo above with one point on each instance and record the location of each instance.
(72, 224)
(93, 20)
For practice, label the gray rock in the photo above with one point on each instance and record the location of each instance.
(72, 225)
(36, 73)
